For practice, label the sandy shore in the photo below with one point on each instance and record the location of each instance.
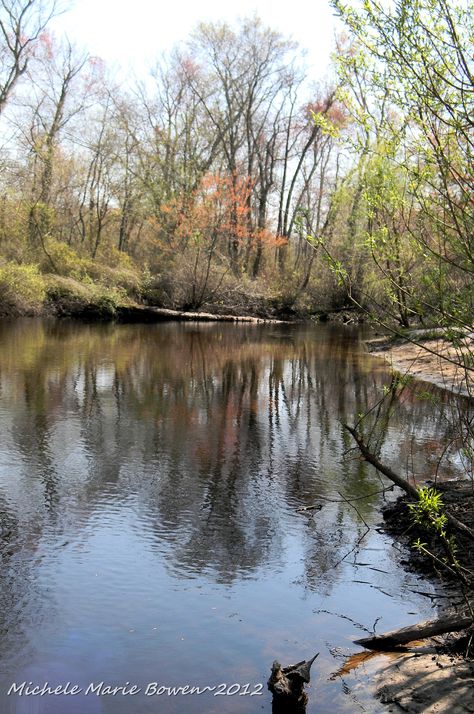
(434, 360)
(427, 683)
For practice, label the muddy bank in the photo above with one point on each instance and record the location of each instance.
(430, 357)
(439, 679)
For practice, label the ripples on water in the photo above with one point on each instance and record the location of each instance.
(149, 481)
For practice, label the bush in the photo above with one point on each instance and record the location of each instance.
(73, 298)
(118, 272)
(65, 260)
(22, 289)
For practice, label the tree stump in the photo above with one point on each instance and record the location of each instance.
(287, 686)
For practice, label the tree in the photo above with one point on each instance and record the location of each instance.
(21, 25)
(53, 101)
(251, 73)
(416, 60)
(410, 80)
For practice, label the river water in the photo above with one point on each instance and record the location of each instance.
(150, 481)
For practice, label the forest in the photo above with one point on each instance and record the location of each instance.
(228, 179)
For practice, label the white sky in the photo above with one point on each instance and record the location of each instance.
(131, 34)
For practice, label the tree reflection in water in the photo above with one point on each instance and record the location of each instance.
(217, 433)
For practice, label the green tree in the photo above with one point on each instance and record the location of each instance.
(416, 59)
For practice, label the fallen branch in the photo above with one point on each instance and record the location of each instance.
(395, 638)
(401, 482)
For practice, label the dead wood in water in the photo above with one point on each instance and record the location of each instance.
(287, 687)
(146, 313)
(401, 482)
(419, 631)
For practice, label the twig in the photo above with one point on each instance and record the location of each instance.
(318, 506)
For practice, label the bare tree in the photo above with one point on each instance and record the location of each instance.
(21, 24)
(55, 98)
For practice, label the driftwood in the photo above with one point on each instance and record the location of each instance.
(403, 483)
(287, 687)
(395, 638)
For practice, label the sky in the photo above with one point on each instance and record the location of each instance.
(131, 35)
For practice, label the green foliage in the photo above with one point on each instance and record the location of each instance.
(70, 297)
(428, 511)
(328, 128)
(65, 260)
(115, 269)
(22, 289)
(406, 70)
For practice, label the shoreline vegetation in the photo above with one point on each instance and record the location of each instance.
(434, 674)
(128, 297)
(229, 179)
(428, 666)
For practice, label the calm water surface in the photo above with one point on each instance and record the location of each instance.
(150, 478)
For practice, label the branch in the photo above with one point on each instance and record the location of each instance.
(401, 482)
(391, 640)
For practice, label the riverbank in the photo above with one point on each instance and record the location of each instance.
(93, 306)
(432, 683)
(435, 677)
(101, 293)
(438, 678)
(97, 303)
(431, 356)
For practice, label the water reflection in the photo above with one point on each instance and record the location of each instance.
(145, 466)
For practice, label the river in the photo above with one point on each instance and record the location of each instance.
(150, 481)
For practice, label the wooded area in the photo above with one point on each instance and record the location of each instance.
(228, 178)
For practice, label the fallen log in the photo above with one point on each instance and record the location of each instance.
(391, 640)
(287, 687)
(145, 313)
(401, 482)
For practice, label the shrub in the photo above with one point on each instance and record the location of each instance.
(65, 260)
(22, 289)
(117, 272)
(70, 297)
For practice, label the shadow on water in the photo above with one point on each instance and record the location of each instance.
(149, 488)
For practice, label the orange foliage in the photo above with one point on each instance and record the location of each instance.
(215, 215)
(219, 208)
